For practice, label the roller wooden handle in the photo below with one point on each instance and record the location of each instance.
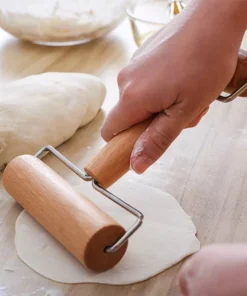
(79, 225)
(240, 76)
(113, 161)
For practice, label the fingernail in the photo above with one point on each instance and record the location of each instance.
(141, 164)
(137, 166)
(122, 130)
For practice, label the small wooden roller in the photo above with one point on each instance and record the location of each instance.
(89, 234)
(79, 225)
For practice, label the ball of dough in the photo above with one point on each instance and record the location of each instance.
(46, 109)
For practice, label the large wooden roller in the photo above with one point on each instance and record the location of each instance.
(89, 234)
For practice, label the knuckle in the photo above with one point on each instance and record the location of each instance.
(162, 139)
(105, 134)
(121, 78)
(129, 93)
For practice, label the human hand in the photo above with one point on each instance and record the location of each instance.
(217, 270)
(175, 75)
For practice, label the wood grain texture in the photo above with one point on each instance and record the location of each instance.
(79, 225)
(205, 169)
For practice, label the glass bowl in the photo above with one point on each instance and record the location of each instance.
(148, 16)
(61, 22)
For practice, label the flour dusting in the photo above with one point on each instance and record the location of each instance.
(53, 293)
(60, 20)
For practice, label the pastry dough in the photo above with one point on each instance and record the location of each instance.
(166, 237)
(46, 109)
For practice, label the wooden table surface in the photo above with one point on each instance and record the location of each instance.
(205, 169)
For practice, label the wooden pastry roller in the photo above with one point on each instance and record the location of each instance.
(89, 234)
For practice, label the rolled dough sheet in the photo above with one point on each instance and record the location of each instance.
(166, 237)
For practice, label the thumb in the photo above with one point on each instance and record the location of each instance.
(162, 131)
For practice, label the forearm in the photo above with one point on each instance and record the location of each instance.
(228, 15)
(214, 24)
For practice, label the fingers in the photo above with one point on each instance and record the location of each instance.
(128, 110)
(215, 270)
(158, 137)
(140, 98)
(121, 117)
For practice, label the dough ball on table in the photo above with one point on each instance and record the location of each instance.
(46, 109)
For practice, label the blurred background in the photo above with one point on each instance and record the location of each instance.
(70, 22)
